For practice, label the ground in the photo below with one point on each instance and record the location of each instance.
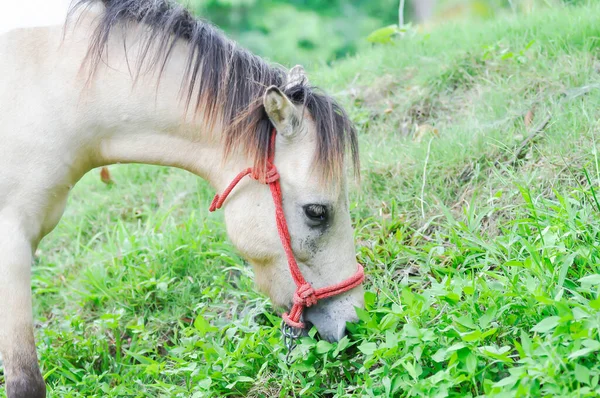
(476, 218)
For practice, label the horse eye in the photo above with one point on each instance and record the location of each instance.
(316, 213)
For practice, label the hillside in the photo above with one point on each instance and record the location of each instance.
(476, 218)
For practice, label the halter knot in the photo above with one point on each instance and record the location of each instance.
(305, 295)
(271, 175)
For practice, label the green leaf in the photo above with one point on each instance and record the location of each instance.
(472, 336)
(469, 290)
(363, 315)
(546, 325)
(203, 326)
(456, 347)
(387, 384)
(590, 346)
(205, 383)
(589, 343)
(391, 339)
(582, 374)
(341, 346)
(367, 348)
(486, 318)
(471, 363)
(488, 333)
(497, 353)
(440, 355)
(413, 371)
(383, 35)
(466, 321)
(590, 280)
(528, 46)
(323, 347)
(567, 262)
(507, 381)
(452, 298)
(525, 342)
(388, 321)
(397, 383)
(370, 299)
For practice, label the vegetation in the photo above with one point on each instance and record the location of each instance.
(321, 31)
(477, 220)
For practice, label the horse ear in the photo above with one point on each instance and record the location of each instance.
(296, 76)
(281, 111)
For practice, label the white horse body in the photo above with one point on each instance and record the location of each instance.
(57, 123)
(55, 130)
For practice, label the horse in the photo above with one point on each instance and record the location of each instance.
(143, 81)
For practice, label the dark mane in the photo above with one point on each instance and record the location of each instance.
(223, 80)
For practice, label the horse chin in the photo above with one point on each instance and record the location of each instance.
(330, 316)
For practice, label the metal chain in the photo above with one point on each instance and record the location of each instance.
(290, 336)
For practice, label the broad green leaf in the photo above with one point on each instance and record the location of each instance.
(323, 347)
(203, 326)
(471, 363)
(589, 347)
(341, 346)
(488, 333)
(469, 290)
(546, 324)
(466, 321)
(389, 321)
(472, 336)
(391, 338)
(590, 280)
(363, 315)
(413, 370)
(582, 374)
(507, 381)
(497, 353)
(440, 355)
(387, 384)
(383, 35)
(525, 342)
(589, 343)
(456, 347)
(367, 348)
(370, 299)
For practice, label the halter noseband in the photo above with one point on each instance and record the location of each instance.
(305, 295)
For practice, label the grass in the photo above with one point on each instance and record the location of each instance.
(481, 247)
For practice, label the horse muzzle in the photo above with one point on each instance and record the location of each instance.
(331, 315)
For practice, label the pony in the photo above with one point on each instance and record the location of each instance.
(143, 81)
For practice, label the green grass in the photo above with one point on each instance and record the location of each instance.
(481, 253)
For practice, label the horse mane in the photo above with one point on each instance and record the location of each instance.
(224, 80)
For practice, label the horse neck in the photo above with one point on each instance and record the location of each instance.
(144, 120)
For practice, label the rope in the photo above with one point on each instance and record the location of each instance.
(305, 295)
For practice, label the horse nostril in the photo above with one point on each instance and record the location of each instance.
(307, 326)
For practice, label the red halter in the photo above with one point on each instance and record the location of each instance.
(305, 295)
